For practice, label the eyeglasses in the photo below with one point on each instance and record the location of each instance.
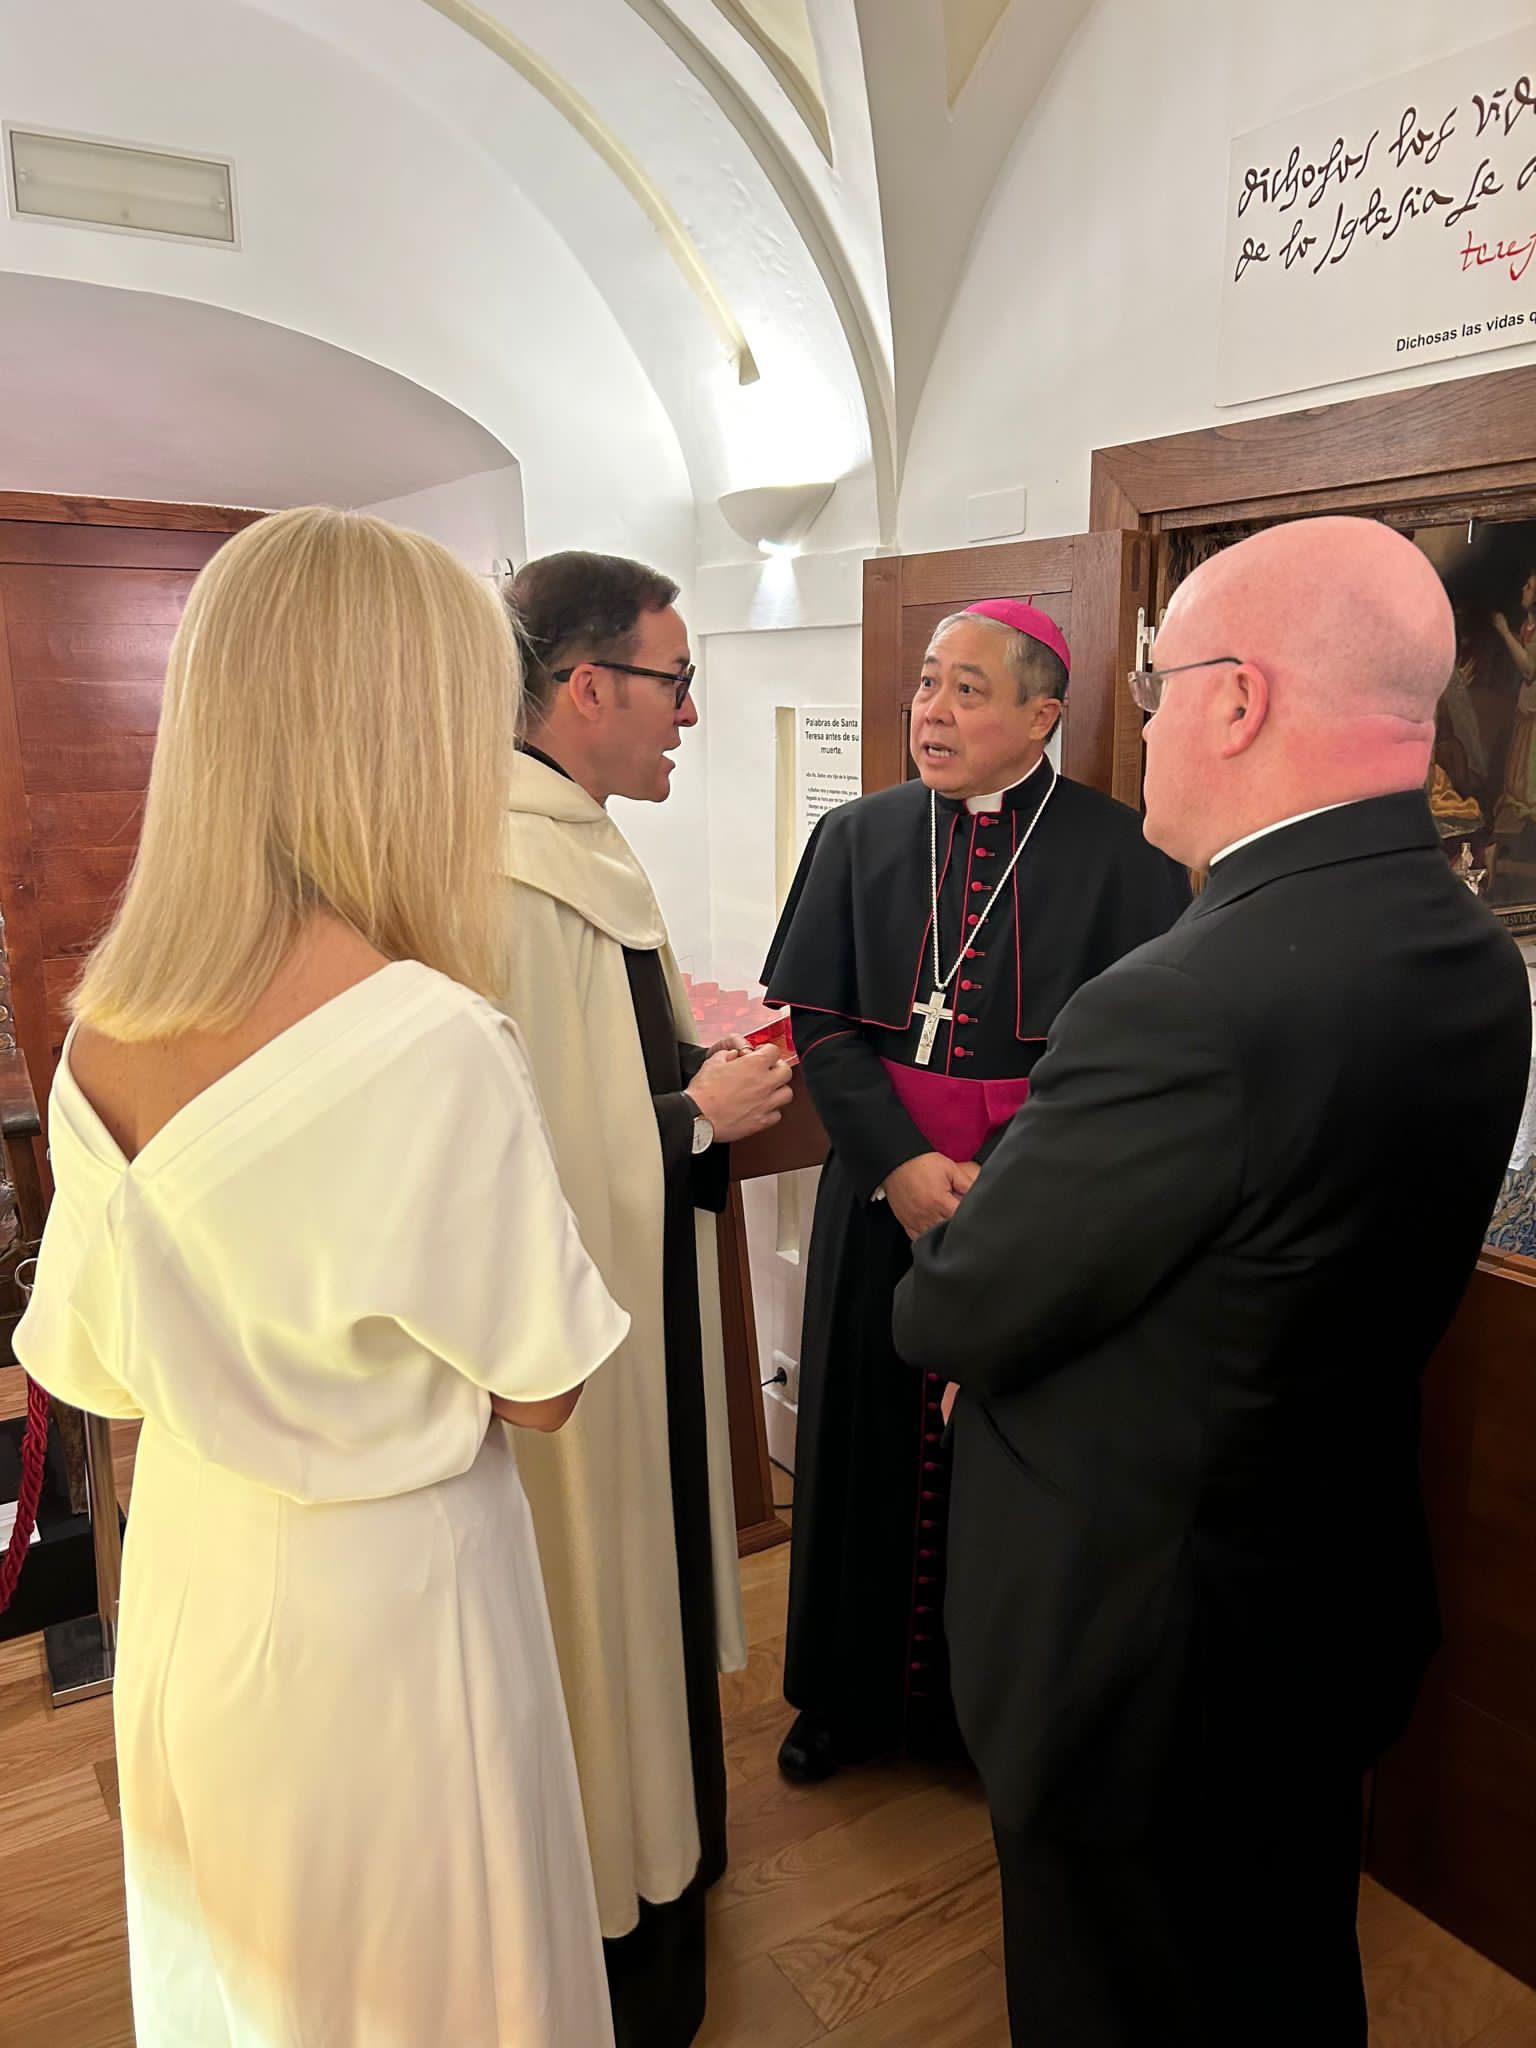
(1147, 683)
(681, 679)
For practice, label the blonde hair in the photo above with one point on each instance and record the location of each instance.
(336, 734)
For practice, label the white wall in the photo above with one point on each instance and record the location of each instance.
(1087, 315)
(479, 517)
(750, 676)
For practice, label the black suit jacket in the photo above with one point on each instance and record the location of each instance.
(1189, 1302)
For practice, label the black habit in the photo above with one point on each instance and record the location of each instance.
(656, 1974)
(1188, 1303)
(853, 954)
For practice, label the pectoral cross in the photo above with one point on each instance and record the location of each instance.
(933, 1014)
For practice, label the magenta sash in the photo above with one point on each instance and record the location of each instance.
(956, 1117)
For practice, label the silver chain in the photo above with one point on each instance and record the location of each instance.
(942, 984)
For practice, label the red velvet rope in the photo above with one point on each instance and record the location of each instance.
(34, 1453)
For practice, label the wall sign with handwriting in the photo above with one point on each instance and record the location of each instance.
(1395, 225)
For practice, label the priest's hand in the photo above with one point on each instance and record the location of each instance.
(742, 1093)
(732, 1042)
(926, 1190)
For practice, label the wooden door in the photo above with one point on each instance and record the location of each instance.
(90, 594)
(1092, 584)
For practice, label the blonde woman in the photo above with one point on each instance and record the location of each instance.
(307, 1226)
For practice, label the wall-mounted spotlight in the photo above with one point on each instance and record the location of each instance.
(776, 518)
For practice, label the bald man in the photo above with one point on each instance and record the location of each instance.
(1188, 1304)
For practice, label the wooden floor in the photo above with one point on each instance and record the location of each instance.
(861, 1914)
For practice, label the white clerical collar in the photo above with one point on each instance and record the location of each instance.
(977, 804)
(1279, 825)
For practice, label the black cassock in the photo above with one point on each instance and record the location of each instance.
(656, 1975)
(852, 958)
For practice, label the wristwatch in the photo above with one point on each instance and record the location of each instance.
(703, 1129)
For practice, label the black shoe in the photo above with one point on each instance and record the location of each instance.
(805, 1754)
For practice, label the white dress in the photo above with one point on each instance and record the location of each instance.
(350, 1809)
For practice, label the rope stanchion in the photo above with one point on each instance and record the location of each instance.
(34, 1457)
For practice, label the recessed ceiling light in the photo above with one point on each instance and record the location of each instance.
(78, 181)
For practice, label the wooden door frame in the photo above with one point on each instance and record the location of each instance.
(55, 509)
(1108, 577)
(1396, 451)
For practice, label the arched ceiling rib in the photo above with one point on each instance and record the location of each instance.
(567, 102)
(817, 231)
(780, 32)
(968, 28)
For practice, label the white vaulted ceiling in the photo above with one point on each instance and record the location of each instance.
(207, 406)
(660, 249)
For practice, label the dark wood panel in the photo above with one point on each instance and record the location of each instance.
(70, 714)
(1508, 493)
(89, 874)
(112, 761)
(956, 577)
(106, 547)
(59, 978)
(18, 901)
(795, 1142)
(757, 1525)
(128, 597)
(84, 648)
(143, 512)
(77, 890)
(1454, 1827)
(75, 651)
(70, 926)
(1480, 1438)
(883, 749)
(84, 819)
(1101, 735)
(1469, 423)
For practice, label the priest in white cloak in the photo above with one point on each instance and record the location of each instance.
(632, 1501)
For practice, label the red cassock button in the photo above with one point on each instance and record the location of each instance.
(962, 1052)
(972, 919)
(977, 888)
(967, 986)
(962, 1018)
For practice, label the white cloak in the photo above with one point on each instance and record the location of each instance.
(600, 1489)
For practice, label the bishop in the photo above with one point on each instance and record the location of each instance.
(999, 886)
